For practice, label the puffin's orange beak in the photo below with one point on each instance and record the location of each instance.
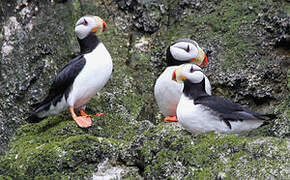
(205, 61)
(94, 29)
(174, 75)
(192, 59)
(104, 26)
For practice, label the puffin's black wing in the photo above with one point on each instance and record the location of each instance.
(64, 79)
(230, 111)
(61, 84)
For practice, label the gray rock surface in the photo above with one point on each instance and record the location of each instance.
(247, 44)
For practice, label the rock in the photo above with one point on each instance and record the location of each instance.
(146, 15)
(31, 50)
(248, 60)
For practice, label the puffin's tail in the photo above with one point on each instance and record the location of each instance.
(268, 118)
(271, 116)
(33, 118)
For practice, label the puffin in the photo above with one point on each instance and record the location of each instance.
(199, 112)
(167, 92)
(81, 78)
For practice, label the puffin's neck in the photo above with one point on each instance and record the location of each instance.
(193, 91)
(171, 61)
(89, 43)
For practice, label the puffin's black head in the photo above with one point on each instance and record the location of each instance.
(193, 79)
(185, 51)
(86, 29)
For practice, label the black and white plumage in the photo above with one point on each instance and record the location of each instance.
(199, 112)
(82, 77)
(167, 92)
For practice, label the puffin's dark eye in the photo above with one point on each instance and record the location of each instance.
(187, 49)
(191, 70)
(85, 22)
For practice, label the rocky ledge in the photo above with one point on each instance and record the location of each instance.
(247, 44)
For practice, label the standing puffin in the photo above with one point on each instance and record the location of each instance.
(81, 78)
(199, 112)
(167, 92)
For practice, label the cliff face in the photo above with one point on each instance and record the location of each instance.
(248, 47)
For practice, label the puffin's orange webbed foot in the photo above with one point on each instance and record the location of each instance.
(83, 121)
(171, 119)
(83, 113)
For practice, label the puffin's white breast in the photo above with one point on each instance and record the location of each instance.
(167, 92)
(198, 118)
(93, 76)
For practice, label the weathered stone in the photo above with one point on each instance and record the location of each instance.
(247, 46)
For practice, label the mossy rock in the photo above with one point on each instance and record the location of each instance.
(211, 155)
(131, 135)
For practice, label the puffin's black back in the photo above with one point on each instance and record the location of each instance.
(170, 60)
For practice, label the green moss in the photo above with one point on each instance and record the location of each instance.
(204, 156)
(56, 148)
(54, 158)
(60, 151)
(288, 80)
(229, 21)
(134, 104)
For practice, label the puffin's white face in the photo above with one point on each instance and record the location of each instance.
(185, 51)
(188, 71)
(88, 24)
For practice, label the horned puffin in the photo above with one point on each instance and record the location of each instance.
(198, 112)
(167, 92)
(81, 78)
